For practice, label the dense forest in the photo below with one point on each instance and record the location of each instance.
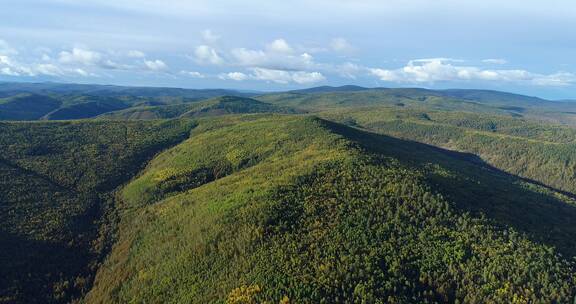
(56, 199)
(324, 195)
(312, 211)
(540, 152)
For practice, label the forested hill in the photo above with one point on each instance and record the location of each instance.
(48, 88)
(285, 209)
(211, 107)
(57, 210)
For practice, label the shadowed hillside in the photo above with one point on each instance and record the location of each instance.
(56, 200)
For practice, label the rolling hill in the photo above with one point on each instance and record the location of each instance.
(72, 101)
(327, 89)
(323, 195)
(47, 88)
(215, 106)
(53, 101)
(301, 210)
(480, 101)
(27, 106)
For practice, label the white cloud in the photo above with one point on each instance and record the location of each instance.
(246, 57)
(7, 67)
(49, 69)
(276, 76)
(80, 56)
(83, 57)
(113, 65)
(135, 54)
(78, 61)
(284, 77)
(8, 71)
(341, 45)
(349, 70)
(207, 55)
(237, 76)
(6, 49)
(278, 62)
(11, 68)
(442, 59)
(192, 74)
(495, 61)
(556, 80)
(442, 69)
(271, 60)
(209, 37)
(279, 46)
(84, 73)
(155, 65)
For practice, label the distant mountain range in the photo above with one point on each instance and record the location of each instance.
(11, 88)
(57, 101)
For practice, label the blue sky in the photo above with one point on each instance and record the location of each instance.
(524, 46)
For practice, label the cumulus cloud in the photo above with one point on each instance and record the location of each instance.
(10, 67)
(349, 70)
(278, 62)
(279, 46)
(6, 49)
(495, 61)
(276, 76)
(209, 37)
(442, 69)
(248, 57)
(78, 61)
(80, 56)
(237, 76)
(49, 69)
(205, 54)
(272, 60)
(89, 58)
(192, 74)
(113, 65)
(556, 80)
(135, 54)
(155, 65)
(7, 67)
(284, 77)
(340, 45)
(81, 72)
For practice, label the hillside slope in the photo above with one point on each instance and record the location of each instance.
(300, 210)
(27, 107)
(212, 107)
(48, 88)
(478, 101)
(58, 101)
(56, 200)
(84, 110)
(532, 149)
